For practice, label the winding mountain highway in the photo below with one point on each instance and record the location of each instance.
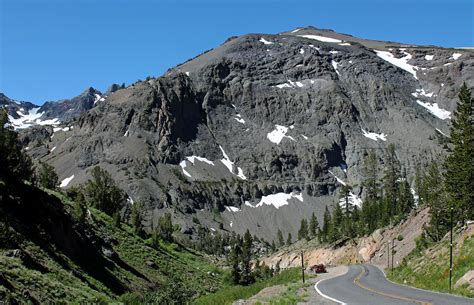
(367, 285)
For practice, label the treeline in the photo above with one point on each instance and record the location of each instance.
(448, 186)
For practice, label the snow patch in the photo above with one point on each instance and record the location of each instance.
(239, 119)
(30, 119)
(304, 137)
(402, 63)
(352, 199)
(422, 92)
(316, 48)
(439, 130)
(429, 57)
(183, 166)
(187, 73)
(52, 149)
(435, 110)
(193, 159)
(337, 178)
(265, 41)
(334, 65)
(374, 136)
(345, 44)
(230, 165)
(333, 52)
(232, 209)
(66, 181)
(321, 38)
(301, 51)
(456, 56)
(276, 135)
(279, 199)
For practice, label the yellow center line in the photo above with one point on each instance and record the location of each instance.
(358, 283)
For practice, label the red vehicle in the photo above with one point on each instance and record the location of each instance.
(318, 268)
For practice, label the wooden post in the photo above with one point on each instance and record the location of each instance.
(302, 266)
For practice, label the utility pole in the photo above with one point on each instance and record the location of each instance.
(302, 266)
(392, 253)
(451, 250)
(388, 255)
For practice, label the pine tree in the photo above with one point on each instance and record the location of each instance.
(303, 231)
(435, 198)
(289, 240)
(47, 176)
(313, 226)
(235, 263)
(79, 207)
(136, 217)
(326, 224)
(246, 276)
(14, 163)
(391, 179)
(102, 192)
(337, 222)
(405, 197)
(281, 241)
(164, 228)
(459, 165)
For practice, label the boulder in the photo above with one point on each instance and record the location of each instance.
(467, 278)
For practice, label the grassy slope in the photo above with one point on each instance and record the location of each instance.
(429, 269)
(229, 294)
(51, 275)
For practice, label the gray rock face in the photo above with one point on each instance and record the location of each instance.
(279, 116)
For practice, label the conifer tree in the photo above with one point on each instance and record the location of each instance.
(459, 165)
(246, 274)
(289, 240)
(326, 225)
(136, 217)
(303, 231)
(391, 179)
(281, 241)
(102, 192)
(435, 198)
(47, 176)
(313, 226)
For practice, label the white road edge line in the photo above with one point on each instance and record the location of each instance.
(326, 296)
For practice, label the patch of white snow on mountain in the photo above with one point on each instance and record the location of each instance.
(374, 136)
(422, 92)
(232, 209)
(52, 149)
(294, 31)
(98, 98)
(278, 134)
(439, 130)
(456, 56)
(279, 199)
(416, 198)
(337, 178)
(402, 63)
(66, 181)
(187, 73)
(265, 41)
(429, 57)
(304, 137)
(434, 109)
(183, 166)
(321, 38)
(316, 48)
(247, 203)
(193, 159)
(334, 65)
(333, 52)
(301, 51)
(239, 119)
(230, 165)
(126, 133)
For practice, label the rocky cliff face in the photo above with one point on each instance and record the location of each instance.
(264, 129)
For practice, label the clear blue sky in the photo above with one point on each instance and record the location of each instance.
(53, 49)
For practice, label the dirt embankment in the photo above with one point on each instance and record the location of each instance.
(372, 248)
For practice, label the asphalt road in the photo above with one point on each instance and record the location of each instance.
(367, 285)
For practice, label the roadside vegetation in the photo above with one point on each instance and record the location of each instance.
(230, 293)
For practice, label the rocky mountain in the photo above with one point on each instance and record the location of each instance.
(262, 130)
(25, 114)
